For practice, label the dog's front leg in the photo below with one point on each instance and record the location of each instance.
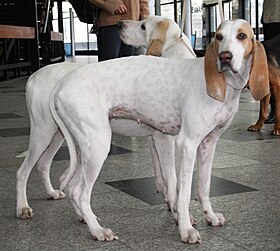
(205, 158)
(263, 114)
(275, 89)
(186, 158)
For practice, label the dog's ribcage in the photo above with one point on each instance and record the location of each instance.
(149, 95)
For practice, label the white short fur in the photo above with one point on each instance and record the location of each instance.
(168, 96)
(44, 132)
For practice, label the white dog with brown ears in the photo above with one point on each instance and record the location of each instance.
(161, 36)
(194, 99)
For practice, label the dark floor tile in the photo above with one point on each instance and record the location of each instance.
(12, 91)
(63, 153)
(9, 116)
(6, 87)
(14, 132)
(145, 189)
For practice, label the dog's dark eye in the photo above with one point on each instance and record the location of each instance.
(143, 27)
(219, 37)
(242, 36)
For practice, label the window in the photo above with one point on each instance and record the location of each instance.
(168, 9)
(83, 40)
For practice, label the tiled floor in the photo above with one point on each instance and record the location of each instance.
(245, 188)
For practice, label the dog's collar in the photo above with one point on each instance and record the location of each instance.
(177, 41)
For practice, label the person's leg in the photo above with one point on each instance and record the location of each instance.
(126, 50)
(109, 42)
(271, 30)
(271, 117)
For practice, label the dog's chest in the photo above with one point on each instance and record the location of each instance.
(164, 120)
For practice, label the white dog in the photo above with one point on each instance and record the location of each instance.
(161, 36)
(169, 96)
(44, 130)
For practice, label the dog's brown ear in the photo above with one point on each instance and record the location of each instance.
(259, 78)
(158, 39)
(215, 81)
(155, 48)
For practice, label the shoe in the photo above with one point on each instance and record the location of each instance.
(271, 118)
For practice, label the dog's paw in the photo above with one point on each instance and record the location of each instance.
(215, 220)
(254, 128)
(191, 236)
(105, 234)
(25, 213)
(57, 195)
(275, 132)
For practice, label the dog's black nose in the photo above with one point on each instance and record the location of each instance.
(225, 57)
(120, 25)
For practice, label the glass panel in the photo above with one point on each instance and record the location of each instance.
(65, 9)
(253, 13)
(179, 16)
(66, 30)
(167, 11)
(227, 11)
(218, 17)
(197, 23)
(230, 10)
(260, 5)
(166, 1)
(83, 40)
(54, 11)
(81, 35)
(55, 25)
(247, 8)
(258, 15)
(92, 41)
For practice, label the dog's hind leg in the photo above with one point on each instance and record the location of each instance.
(93, 154)
(39, 142)
(44, 165)
(160, 186)
(88, 125)
(205, 158)
(165, 149)
(94, 147)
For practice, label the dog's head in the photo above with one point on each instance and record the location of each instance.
(234, 45)
(152, 33)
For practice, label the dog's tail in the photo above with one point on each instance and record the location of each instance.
(68, 174)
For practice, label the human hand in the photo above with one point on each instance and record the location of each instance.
(121, 9)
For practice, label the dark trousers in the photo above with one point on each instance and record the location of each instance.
(110, 44)
(269, 31)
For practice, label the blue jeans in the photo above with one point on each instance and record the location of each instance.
(110, 44)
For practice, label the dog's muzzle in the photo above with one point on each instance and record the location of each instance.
(225, 59)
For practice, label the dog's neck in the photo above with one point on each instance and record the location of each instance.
(175, 44)
(239, 80)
